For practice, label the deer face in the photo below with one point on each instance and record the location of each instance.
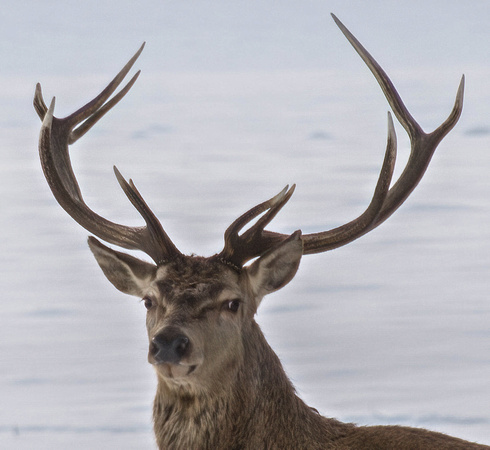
(198, 309)
(195, 312)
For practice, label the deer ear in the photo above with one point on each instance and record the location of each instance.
(277, 267)
(128, 274)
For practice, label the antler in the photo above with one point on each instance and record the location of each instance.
(55, 137)
(385, 200)
(241, 248)
(423, 146)
(57, 134)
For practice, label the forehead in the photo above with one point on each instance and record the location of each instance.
(193, 279)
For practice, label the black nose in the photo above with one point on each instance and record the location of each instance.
(169, 346)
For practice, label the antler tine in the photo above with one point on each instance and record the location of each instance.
(337, 237)
(56, 135)
(239, 249)
(39, 105)
(99, 112)
(95, 109)
(160, 239)
(91, 107)
(394, 99)
(423, 146)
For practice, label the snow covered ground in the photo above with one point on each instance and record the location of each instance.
(236, 100)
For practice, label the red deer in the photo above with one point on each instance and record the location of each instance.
(220, 385)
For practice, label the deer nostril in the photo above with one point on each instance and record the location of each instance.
(181, 344)
(169, 346)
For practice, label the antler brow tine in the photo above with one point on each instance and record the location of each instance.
(253, 242)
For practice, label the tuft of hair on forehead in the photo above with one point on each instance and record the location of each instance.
(192, 276)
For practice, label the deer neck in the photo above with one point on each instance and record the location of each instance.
(253, 402)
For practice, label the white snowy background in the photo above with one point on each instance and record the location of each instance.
(237, 99)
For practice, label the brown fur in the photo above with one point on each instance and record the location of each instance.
(254, 407)
(229, 391)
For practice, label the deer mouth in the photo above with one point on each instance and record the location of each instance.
(174, 371)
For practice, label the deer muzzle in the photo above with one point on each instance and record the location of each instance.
(169, 346)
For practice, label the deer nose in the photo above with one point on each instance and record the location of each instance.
(169, 346)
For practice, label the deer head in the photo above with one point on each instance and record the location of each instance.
(198, 309)
(201, 310)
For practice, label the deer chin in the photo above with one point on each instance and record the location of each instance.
(175, 371)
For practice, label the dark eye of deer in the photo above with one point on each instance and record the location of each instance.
(232, 305)
(148, 303)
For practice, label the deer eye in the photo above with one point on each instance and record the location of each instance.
(148, 302)
(232, 305)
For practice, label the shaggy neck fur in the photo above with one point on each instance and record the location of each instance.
(252, 406)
